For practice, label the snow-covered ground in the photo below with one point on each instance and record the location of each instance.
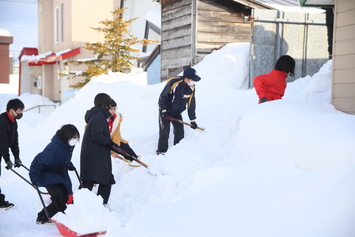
(281, 168)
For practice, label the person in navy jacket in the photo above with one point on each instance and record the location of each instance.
(49, 169)
(178, 93)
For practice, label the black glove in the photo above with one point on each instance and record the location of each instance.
(71, 168)
(165, 114)
(9, 164)
(262, 100)
(18, 163)
(193, 125)
(129, 158)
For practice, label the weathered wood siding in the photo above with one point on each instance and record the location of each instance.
(219, 23)
(343, 90)
(176, 38)
(191, 29)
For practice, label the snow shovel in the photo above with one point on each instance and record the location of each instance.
(63, 229)
(121, 151)
(180, 121)
(27, 181)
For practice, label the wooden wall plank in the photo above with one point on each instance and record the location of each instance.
(346, 18)
(347, 105)
(344, 90)
(343, 61)
(344, 75)
(345, 47)
(345, 33)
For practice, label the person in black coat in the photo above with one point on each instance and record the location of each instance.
(49, 169)
(9, 139)
(177, 93)
(95, 156)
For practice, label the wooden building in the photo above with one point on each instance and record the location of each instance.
(191, 29)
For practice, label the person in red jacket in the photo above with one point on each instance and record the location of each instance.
(272, 86)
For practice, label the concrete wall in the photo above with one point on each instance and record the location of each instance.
(276, 33)
(343, 90)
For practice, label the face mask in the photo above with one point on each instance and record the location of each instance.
(18, 116)
(191, 83)
(73, 141)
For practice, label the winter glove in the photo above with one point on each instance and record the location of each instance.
(9, 165)
(262, 100)
(129, 158)
(70, 199)
(18, 162)
(193, 125)
(164, 114)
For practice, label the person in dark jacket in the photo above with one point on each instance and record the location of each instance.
(9, 139)
(49, 169)
(95, 156)
(177, 93)
(272, 86)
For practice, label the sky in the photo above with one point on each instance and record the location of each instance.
(281, 168)
(20, 18)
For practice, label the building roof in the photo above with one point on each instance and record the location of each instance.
(281, 5)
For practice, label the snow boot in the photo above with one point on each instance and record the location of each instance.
(6, 205)
(42, 218)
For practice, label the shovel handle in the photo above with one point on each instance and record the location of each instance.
(180, 121)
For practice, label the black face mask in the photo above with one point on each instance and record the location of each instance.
(18, 116)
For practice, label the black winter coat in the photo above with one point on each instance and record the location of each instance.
(51, 165)
(95, 157)
(176, 95)
(8, 137)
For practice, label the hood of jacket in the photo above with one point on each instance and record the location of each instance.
(96, 109)
(56, 139)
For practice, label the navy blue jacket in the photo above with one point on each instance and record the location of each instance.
(176, 95)
(51, 165)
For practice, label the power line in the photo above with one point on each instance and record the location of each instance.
(28, 2)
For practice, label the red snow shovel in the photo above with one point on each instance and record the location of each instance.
(63, 229)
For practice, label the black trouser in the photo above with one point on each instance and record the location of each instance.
(164, 130)
(104, 190)
(59, 196)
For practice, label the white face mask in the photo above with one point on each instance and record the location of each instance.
(191, 83)
(73, 141)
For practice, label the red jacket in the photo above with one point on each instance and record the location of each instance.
(272, 85)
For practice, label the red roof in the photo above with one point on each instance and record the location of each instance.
(53, 58)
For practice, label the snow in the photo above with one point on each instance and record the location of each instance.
(281, 168)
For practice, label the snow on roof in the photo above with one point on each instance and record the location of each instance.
(35, 57)
(4, 32)
(287, 6)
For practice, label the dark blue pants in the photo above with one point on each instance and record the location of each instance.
(164, 130)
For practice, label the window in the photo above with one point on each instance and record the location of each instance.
(56, 25)
(62, 21)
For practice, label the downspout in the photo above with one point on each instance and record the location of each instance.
(193, 33)
(19, 76)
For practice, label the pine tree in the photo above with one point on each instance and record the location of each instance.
(114, 53)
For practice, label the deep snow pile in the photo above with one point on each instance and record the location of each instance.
(282, 168)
